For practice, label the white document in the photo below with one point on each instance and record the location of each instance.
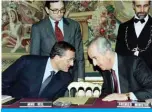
(73, 100)
(6, 98)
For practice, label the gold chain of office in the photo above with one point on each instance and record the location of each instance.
(137, 48)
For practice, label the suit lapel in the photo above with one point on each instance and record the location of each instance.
(123, 75)
(131, 35)
(107, 87)
(66, 30)
(50, 30)
(145, 34)
(39, 75)
(111, 80)
(132, 27)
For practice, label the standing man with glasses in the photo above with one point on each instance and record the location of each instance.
(135, 36)
(57, 28)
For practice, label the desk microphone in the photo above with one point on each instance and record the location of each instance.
(81, 92)
(96, 92)
(88, 92)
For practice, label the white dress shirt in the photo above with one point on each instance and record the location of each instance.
(115, 68)
(139, 26)
(60, 25)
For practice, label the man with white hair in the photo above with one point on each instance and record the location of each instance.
(125, 77)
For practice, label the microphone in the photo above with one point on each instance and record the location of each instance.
(89, 92)
(96, 92)
(81, 92)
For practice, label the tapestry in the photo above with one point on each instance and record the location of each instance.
(18, 17)
(96, 18)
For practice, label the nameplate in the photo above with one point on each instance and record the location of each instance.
(36, 104)
(133, 104)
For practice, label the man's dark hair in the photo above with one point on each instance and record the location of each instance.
(134, 2)
(59, 49)
(47, 3)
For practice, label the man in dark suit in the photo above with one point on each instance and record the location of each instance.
(28, 76)
(130, 77)
(135, 36)
(45, 33)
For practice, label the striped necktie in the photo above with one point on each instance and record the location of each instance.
(115, 81)
(46, 82)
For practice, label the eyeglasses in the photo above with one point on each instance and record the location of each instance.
(56, 11)
(71, 60)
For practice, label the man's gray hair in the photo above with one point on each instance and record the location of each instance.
(102, 44)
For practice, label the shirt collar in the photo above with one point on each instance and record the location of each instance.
(50, 66)
(52, 21)
(115, 65)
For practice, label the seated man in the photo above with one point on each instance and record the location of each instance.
(130, 77)
(34, 76)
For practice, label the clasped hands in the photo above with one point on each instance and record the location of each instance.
(115, 96)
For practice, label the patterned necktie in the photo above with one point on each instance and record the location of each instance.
(46, 82)
(58, 32)
(115, 81)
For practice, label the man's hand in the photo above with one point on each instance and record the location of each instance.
(115, 96)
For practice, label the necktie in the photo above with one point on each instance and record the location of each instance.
(46, 82)
(58, 32)
(115, 81)
(137, 20)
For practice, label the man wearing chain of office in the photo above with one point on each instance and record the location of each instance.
(135, 36)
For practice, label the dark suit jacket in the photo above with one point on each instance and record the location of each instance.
(24, 78)
(134, 76)
(133, 41)
(43, 38)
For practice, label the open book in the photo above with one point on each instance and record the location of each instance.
(6, 98)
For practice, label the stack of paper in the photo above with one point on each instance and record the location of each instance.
(6, 98)
(73, 100)
(94, 78)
